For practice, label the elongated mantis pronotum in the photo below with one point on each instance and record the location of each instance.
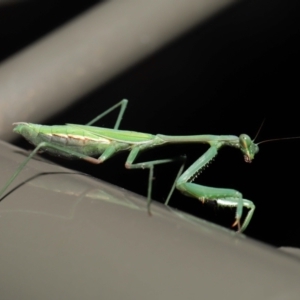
(86, 142)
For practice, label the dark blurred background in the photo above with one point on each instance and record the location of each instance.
(224, 77)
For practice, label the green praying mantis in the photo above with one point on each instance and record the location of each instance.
(96, 145)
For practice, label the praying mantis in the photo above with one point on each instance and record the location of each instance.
(96, 145)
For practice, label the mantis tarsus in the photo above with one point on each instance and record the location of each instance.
(87, 142)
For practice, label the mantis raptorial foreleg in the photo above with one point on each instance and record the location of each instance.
(224, 197)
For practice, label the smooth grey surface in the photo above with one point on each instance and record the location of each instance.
(65, 235)
(291, 250)
(101, 43)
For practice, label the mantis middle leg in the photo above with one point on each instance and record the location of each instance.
(150, 165)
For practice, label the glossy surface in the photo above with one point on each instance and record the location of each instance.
(65, 235)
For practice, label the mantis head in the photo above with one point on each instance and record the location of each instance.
(248, 147)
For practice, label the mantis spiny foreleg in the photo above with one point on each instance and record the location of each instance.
(224, 197)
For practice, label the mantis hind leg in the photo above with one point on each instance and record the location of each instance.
(150, 165)
(224, 197)
(123, 105)
(46, 145)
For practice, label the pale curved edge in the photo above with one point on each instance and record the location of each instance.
(82, 54)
